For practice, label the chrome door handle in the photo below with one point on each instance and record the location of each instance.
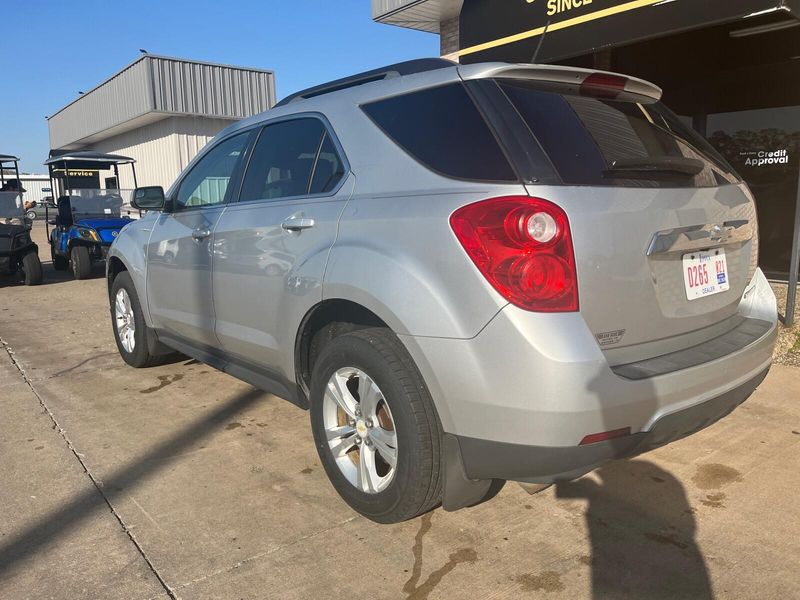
(297, 224)
(201, 233)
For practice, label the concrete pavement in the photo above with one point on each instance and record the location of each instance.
(182, 481)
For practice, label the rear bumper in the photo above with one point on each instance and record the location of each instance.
(521, 396)
(484, 459)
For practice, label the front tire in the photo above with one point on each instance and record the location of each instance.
(127, 320)
(32, 269)
(81, 262)
(375, 426)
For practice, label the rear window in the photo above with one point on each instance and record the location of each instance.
(442, 128)
(632, 141)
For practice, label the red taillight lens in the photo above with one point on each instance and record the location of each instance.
(523, 246)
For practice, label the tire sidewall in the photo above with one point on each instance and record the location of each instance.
(140, 355)
(352, 351)
(81, 262)
(33, 270)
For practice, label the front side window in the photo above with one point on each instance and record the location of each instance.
(292, 158)
(208, 183)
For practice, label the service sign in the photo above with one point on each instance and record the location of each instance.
(512, 29)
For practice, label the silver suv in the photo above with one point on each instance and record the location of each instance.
(468, 274)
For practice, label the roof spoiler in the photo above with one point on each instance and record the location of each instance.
(602, 83)
(409, 67)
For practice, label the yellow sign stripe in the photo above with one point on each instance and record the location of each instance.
(600, 14)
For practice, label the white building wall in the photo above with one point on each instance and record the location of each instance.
(161, 149)
(35, 186)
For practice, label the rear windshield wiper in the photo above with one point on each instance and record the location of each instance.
(663, 167)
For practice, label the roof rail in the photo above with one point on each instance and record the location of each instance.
(408, 67)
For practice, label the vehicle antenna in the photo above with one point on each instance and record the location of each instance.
(541, 41)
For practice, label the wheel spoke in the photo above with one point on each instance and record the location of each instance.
(368, 395)
(120, 306)
(338, 392)
(386, 444)
(367, 475)
(341, 439)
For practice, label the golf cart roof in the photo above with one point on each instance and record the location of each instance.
(88, 160)
(4, 158)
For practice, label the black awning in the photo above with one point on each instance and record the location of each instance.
(86, 160)
(511, 30)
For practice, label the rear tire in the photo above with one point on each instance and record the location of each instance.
(32, 269)
(127, 320)
(392, 494)
(81, 262)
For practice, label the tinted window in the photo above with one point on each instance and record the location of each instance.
(208, 182)
(282, 160)
(600, 141)
(329, 168)
(442, 129)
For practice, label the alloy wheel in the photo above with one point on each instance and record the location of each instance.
(360, 430)
(125, 320)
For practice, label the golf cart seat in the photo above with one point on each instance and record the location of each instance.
(64, 217)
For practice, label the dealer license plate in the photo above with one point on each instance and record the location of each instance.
(705, 273)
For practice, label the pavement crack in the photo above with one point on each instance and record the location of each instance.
(79, 457)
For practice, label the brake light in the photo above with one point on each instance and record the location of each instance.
(603, 85)
(523, 246)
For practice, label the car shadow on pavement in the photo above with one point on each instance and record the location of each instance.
(642, 533)
(47, 531)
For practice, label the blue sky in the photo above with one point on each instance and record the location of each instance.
(51, 49)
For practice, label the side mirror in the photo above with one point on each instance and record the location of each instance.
(148, 198)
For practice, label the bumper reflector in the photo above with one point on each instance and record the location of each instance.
(606, 435)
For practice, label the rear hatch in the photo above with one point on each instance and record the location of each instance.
(664, 231)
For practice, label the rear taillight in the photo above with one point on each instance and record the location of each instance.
(523, 246)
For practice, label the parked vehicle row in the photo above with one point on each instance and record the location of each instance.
(85, 220)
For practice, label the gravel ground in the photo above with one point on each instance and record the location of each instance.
(787, 350)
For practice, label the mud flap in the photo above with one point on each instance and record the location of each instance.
(459, 490)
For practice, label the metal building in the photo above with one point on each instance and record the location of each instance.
(160, 111)
(37, 187)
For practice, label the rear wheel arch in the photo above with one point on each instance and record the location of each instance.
(324, 322)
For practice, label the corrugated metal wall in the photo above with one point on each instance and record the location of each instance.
(155, 84)
(210, 90)
(125, 96)
(35, 188)
(162, 149)
(424, 15)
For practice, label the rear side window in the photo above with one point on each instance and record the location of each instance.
(630, 141)
(442, 128)
(282, 163)
(329, 168)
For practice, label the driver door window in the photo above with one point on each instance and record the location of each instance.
(208, 183)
